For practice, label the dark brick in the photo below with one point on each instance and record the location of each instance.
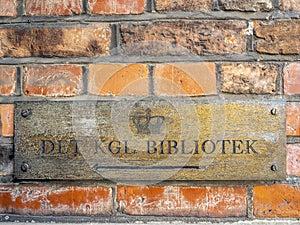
(183, 5)
(184, 38)
(247, 5)
(6, 160)
(50, 42)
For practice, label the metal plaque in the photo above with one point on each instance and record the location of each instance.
(151, 139)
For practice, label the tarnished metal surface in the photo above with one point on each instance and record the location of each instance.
(151, 139)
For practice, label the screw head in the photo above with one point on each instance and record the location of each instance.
(274, 111)
(26, 113)
(3, 180)
(274, 167)
(25, 167)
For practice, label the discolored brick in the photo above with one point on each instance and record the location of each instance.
(293, 159)
(247, 5)
(118, 79)
(110, 7)
(8, 7)
(53, 7)
(184, 38)
(183, 201)
(190, 79)
(290, 5)
(55, 42)
(55, 200)
(183, 5)
(249, 78)
(293, 119)
(7, 120)
(58, 80)
(278, 37)
(6, 160)
(279, 200)
(292, 79)
(8, 80)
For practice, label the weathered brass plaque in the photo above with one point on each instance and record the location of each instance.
(151, 139)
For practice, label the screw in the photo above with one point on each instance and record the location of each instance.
(274, 111)
(6, 179)
(26, 113)
(274, 167)
(25, 167)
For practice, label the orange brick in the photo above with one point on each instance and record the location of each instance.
(293, 160)
(278, 37)
(60, 80)
(7, 120)
(278, 200)
(7, 80)
(183, 201)
(116, 6)
(292, 79)
(118, 79)
(293, 118)
(53, 7)
(190, 79)
(8, 7)
(54, 200)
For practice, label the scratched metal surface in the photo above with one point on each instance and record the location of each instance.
(151, 139)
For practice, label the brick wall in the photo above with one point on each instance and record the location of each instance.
(55, 49)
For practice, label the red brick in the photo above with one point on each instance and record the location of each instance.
(292, 79)
(247, 5)
(183, 201)
(7, 80)
(278, 200)
(185, 79)
(116, 6)
(183, 5)
(53, 7)
(118, 79)
(249, 78)
(7, 120)
(278, 37)
(184, 38)
(290, 5)
(54, 200)
(8, 7)
(60, 80)
(293, 160)
(293, 119)
(60, 42)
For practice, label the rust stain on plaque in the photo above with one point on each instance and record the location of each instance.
(151, 139)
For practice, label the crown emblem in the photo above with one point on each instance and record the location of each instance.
(147, 124)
